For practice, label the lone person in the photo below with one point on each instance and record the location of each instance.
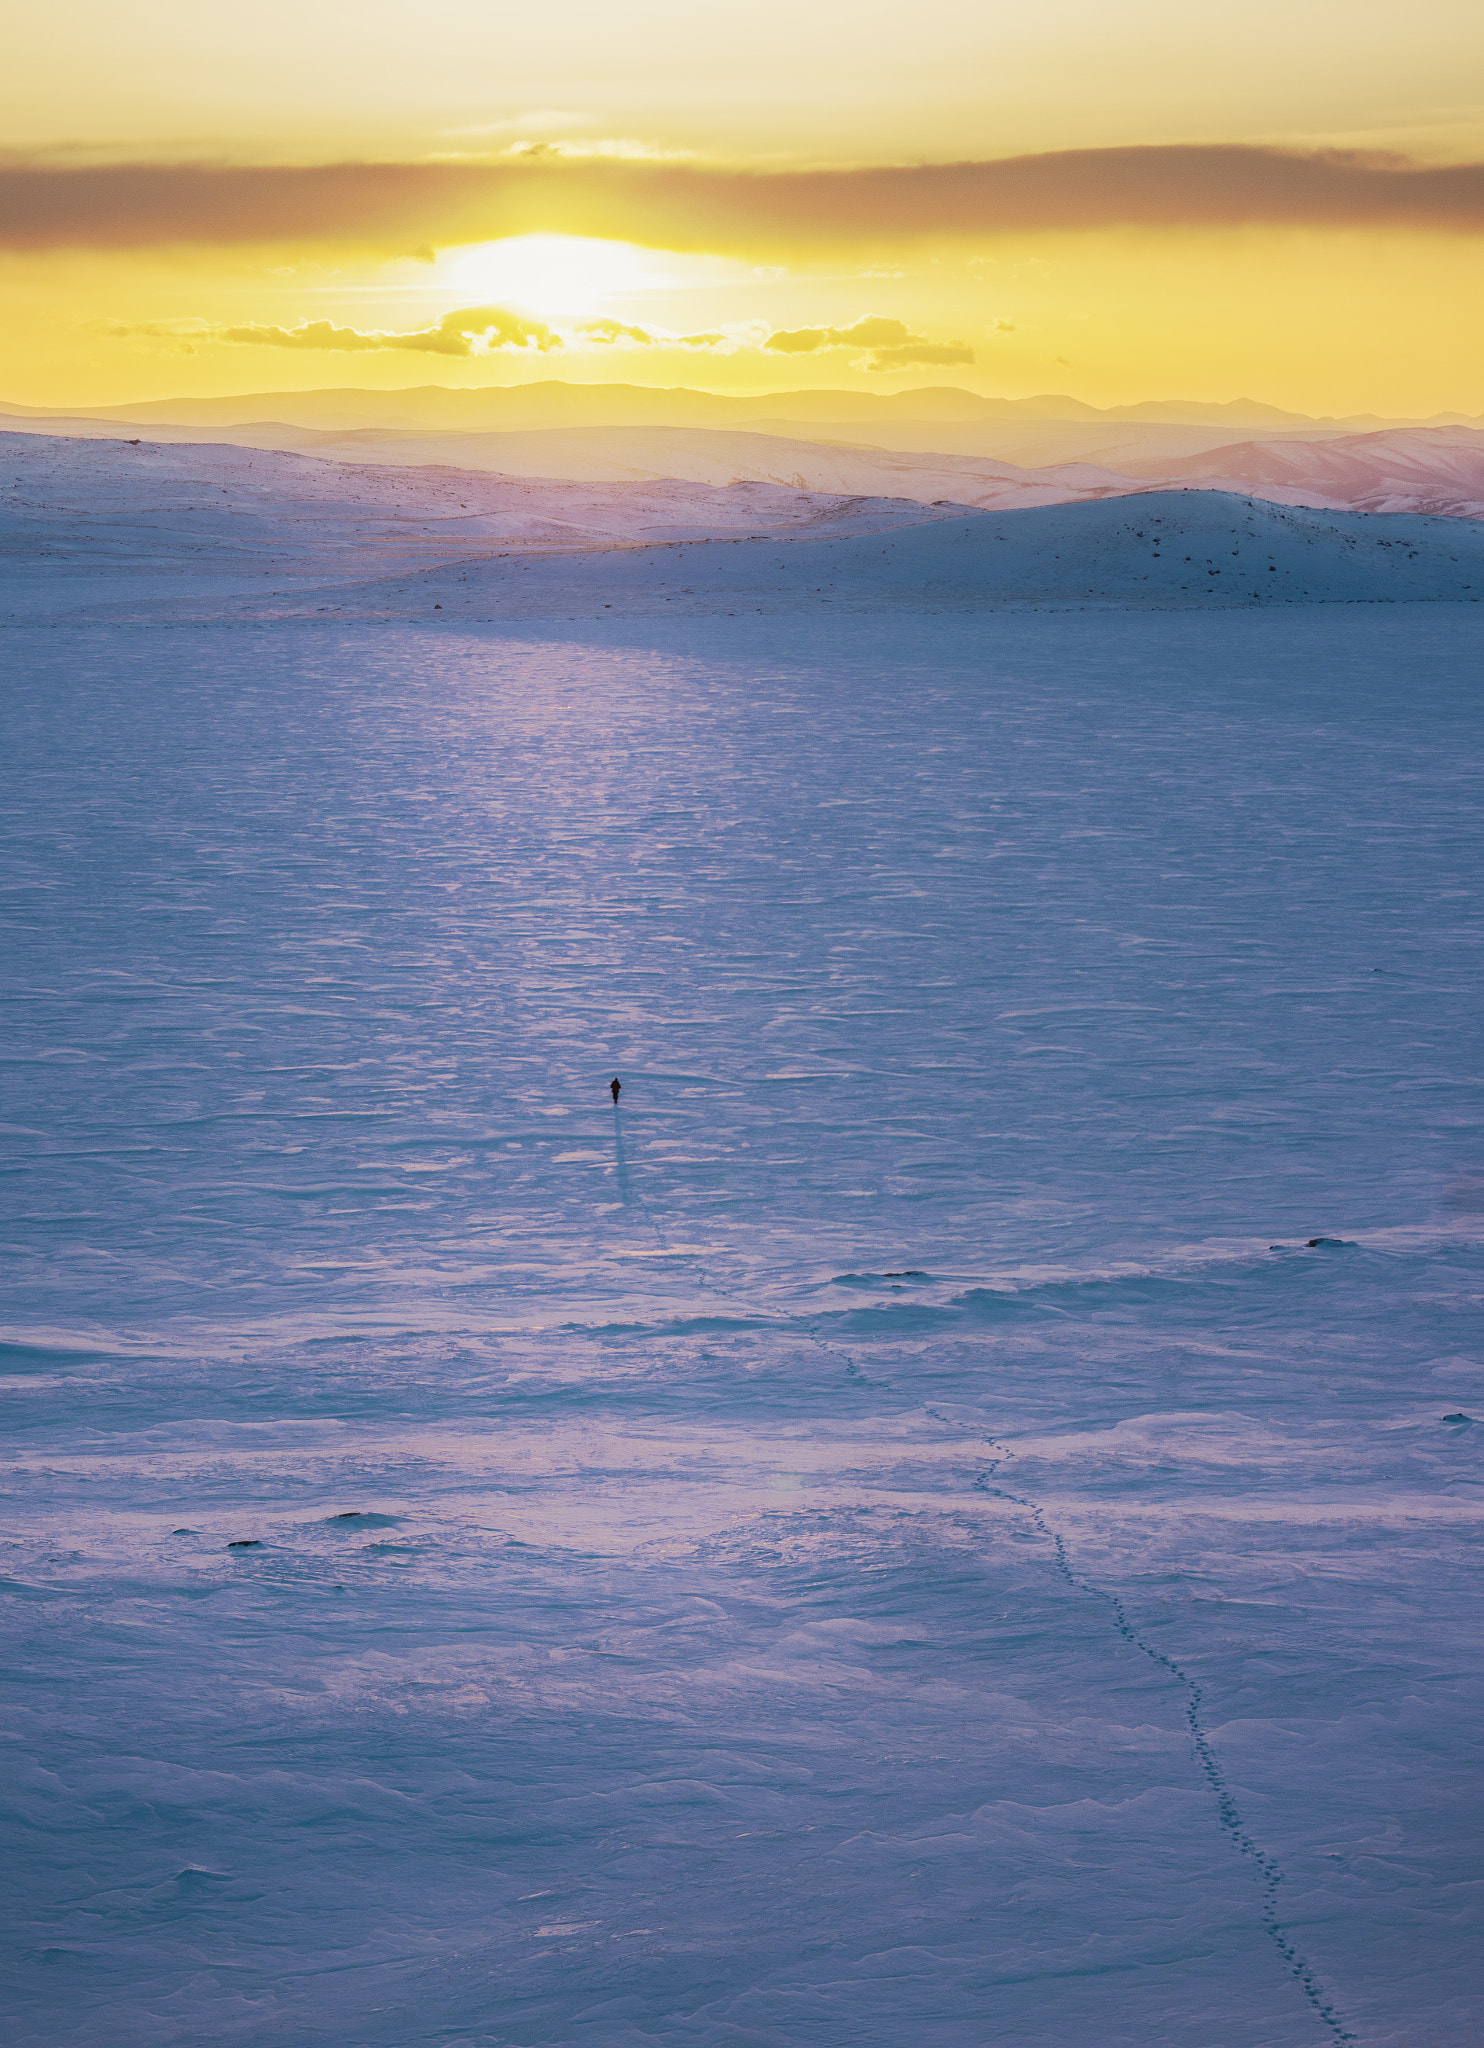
(615, 1089)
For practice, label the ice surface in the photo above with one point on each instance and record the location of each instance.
(895, 1535)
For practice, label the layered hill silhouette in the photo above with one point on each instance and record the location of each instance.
(556, 403)
(932, 446)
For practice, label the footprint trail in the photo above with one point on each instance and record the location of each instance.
(1270, 1873)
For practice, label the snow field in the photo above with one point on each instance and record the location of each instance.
(706, 1570)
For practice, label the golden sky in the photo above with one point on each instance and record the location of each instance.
(1120, 202)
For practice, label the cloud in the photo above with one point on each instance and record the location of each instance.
(868, 333)
(894, 344)
(534, 121)
(920, 352)
(400, 206)
(473, 331)
(618, 331)
(625, 148)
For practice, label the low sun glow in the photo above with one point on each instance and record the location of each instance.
(551, 275)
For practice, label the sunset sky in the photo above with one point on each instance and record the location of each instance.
(1154, 200)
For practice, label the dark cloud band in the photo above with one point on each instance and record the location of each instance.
(405, 206)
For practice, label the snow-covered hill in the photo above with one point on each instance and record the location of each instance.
(992, 465)
(732, 447)
(228, 516)
(203, 526)
(1178, 549)
(1429, 469)
(703, 455)
(645, 455)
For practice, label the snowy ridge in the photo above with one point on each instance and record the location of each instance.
(83, 504)
(1438, 470)
(648, 455)
(1185, 550)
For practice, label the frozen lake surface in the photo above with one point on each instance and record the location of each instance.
(894, 1536)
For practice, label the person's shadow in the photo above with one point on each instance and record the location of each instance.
(625, 1191)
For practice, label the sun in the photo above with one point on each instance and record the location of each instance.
(551, 275)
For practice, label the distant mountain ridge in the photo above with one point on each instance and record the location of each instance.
(554, 403)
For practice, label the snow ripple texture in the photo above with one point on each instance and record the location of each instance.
(949, 1517)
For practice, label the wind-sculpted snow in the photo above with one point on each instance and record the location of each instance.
(949, 1516)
